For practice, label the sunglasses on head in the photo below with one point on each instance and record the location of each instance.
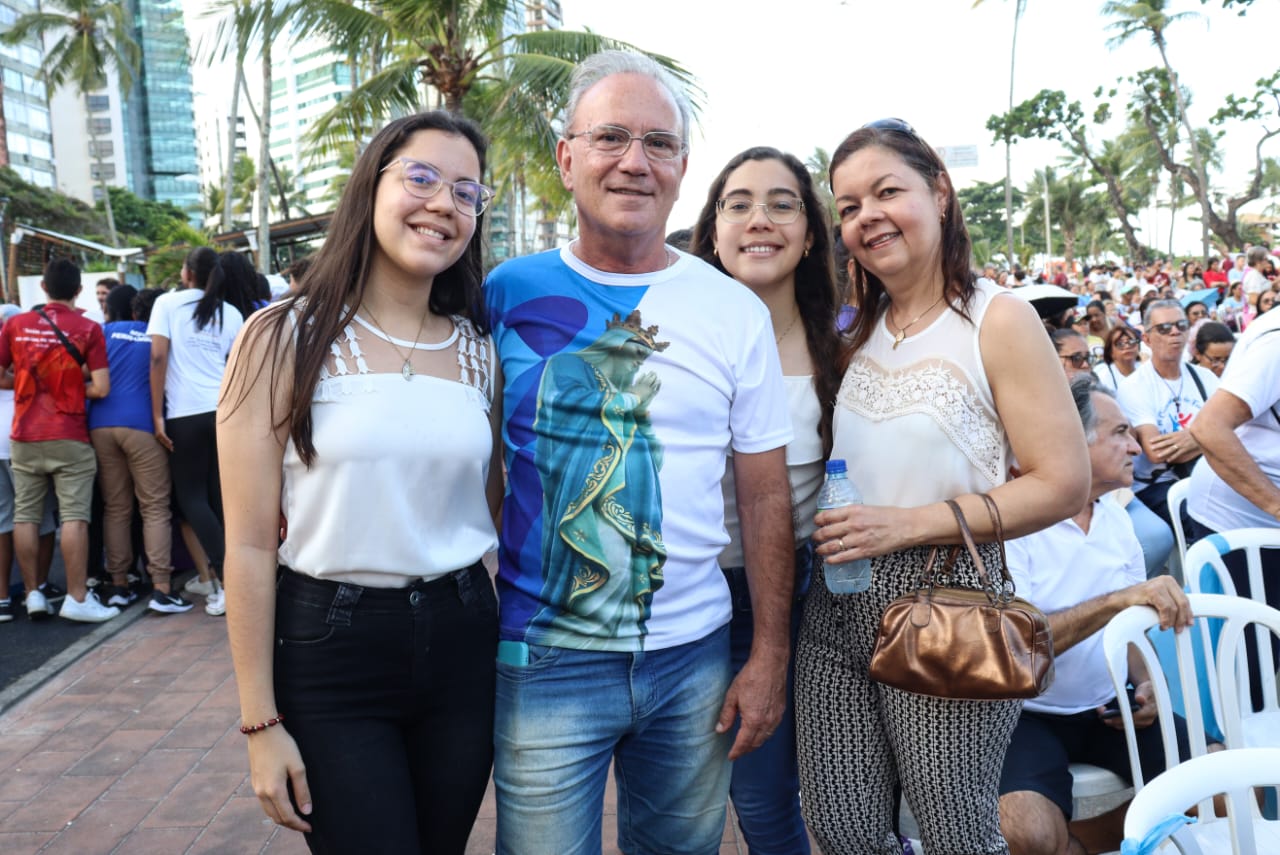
(890, 124)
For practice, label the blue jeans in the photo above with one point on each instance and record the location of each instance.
(389, 695)
(563, 717)
(765, 786)
(1154, 534)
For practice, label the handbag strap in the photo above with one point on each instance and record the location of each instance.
(1007, 589)
(983, 576)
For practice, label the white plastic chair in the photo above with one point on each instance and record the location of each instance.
(1177, 500)
(1243, 727)
(1130, 628)
(1206, 555)
(1095, 790)
(1233, 773)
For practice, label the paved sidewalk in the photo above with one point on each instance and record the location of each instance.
(134, 748)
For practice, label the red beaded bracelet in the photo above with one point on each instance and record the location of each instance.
(254, 728)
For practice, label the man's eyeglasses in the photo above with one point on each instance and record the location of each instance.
(613, 140)
(780, 210)
(424, 181)
(1167, 329)
(1077, 360)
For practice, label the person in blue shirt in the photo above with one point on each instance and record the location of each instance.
(131, 461)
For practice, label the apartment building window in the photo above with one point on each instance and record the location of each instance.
(98, 127)
(99, 103)
(101, 148)
(105, 172)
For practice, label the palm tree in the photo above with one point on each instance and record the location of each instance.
(458, 54)
(1151, 17)
(1019, 6)
(91, 38)
(819, 166)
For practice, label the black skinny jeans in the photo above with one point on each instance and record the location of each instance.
(197, 486)
(389, 695)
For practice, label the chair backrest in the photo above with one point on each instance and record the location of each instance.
(1204, 558)
(1233, 773)
(1129, 629)
(1233, 675)
(1177, 499)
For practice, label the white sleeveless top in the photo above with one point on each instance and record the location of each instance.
(396, 491)
(918, 425)
(804, 470)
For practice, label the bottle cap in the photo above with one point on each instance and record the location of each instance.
(836, 464)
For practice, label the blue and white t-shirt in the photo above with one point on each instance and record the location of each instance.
(623, 394)
(129, 356)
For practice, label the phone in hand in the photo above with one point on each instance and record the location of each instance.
(1112, 709)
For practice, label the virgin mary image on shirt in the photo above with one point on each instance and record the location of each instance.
(598, 461)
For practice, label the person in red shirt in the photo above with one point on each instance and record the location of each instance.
(1215, 276)
(50, 437)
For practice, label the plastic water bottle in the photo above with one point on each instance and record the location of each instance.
(837, 491)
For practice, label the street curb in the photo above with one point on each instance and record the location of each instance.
(32, 680)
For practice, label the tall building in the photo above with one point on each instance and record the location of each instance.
(26, 133)
(147, 142)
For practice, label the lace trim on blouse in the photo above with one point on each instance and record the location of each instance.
(933, 389)
(348, 365)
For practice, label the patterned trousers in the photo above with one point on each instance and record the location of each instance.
(856, 738)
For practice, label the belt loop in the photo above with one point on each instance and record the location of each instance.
(466, 590)
(343, 601)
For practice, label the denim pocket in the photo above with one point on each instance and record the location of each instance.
(300, 625)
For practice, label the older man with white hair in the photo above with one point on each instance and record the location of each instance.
(631, 369)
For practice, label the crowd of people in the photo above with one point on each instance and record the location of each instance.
(639, 431)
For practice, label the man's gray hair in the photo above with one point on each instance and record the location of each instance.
(607, 63)
(1157, 305)
(1082, 389)
(1256, 255)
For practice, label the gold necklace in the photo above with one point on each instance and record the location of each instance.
(787, 331)
(406, 370)
(901, 335)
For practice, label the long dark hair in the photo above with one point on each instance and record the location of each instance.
(225, 277)
(815, 286)
(957, 276)
(333, 287)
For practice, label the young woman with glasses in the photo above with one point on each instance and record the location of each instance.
(1212, 346)
(1119, 356)
(944, 379)
(1073, 351)
(361, 409)
(765, 226)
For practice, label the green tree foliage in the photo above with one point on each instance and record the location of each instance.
(984, 214)
(47, 209)
(819, 166)
(1072, 207)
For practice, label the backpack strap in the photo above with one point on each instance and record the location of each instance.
(1195, 376)
(62, 337)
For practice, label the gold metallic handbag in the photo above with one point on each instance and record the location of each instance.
(973, 644)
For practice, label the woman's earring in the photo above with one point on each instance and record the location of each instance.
(715, 250)
(806, 252)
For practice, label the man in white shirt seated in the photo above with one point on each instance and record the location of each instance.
(1081, 572)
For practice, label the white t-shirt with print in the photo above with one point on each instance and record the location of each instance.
(1253, 376)
(1169, 405)
(1062, 566)
(197, 357)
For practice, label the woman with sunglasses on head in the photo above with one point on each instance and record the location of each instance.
(1119, 356)
(764, 225)
(361, 408)
(930, 351)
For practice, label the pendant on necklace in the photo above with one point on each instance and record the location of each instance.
(899, 338)
(406, 371)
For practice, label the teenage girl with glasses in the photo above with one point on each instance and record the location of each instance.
(363, 408)
(765, 226)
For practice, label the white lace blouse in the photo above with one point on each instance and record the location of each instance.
(918, 424)
(396, 491)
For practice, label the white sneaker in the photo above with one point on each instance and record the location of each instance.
(216, 604)
(89, 611)
(37, 605)
(197, 587)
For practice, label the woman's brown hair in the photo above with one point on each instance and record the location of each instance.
(957, 275)
(816, 294)
(333, 287)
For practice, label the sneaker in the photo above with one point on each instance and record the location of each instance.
(52, 593)
(169, 604)
(216, 604)
(37, 605)
(6, 611)
(198, 588)
(122, 597)
(90, 611)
